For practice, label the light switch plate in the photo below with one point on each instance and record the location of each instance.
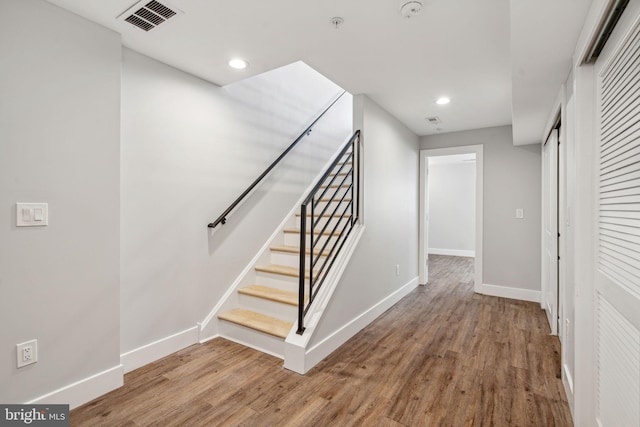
(519, 213)
(32, 214)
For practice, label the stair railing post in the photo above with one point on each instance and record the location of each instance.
(311, 247)
(357, 144)
(303, 232)
(353, 189)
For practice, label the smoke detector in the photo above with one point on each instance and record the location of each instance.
(336, 21)
(410, 8)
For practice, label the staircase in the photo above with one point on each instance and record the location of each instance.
(266, 308)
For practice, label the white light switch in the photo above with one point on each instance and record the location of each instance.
(32, 214)
(519, 213)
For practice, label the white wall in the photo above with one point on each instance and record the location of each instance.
(189, 149)
(511, 253)
(391, 170)
(452, 208)
(59, 143)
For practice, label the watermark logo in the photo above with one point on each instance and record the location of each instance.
(34, 415)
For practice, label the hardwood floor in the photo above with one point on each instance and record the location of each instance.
(442, 356)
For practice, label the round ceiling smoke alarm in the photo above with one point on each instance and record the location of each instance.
(336, 21)
(411, 8)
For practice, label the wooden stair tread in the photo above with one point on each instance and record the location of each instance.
(298, 214)
(296, 250)
(259, 322)
(283, 270)
(345, 200)
(297, 231)
(271, 294)
(346, 185)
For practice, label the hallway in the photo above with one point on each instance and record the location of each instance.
(442, 356)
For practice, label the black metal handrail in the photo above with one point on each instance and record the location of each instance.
(222, 219)
(332, 229)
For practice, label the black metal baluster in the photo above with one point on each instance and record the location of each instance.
(303, 226)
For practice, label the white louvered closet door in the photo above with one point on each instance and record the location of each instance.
(617, 299)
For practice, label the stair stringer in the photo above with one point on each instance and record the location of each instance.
(297, 355)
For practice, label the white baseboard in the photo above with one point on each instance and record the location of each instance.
(156, 350)
(567, 381)
(452, 252)
(85, 390)
(507, 292)
(324, 348)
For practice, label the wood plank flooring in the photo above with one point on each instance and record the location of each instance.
(442, 356)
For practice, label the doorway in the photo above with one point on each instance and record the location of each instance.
(425, 155)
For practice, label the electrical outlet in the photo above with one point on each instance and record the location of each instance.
(27, 353)
(397, 269)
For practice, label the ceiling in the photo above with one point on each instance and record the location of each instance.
(458, 48)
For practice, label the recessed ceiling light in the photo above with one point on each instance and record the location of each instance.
(443, 100)
(238, 64)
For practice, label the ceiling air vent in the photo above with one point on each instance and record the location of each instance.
(147, 15)
(433, 120)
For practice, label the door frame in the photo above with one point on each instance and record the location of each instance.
(423, 250)
(550, 265)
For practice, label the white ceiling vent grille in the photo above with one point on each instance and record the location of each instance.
(433, 120)
(147, 15)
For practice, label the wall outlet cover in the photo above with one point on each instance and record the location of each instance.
(27, 353)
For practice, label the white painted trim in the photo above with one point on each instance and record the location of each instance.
(158, 349)
(508, 292)
(85, 390)
(568, 381)
(321, 350)
(207, 339)
(556, 113)
(423, 248)
(251, 345)
(452, 252)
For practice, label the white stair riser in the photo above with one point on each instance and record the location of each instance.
(320, 206)
(286, 258)
(333, 192)
(270, 308)
(293, 239)
(252, 338)
(278, 281)
(319, 223)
